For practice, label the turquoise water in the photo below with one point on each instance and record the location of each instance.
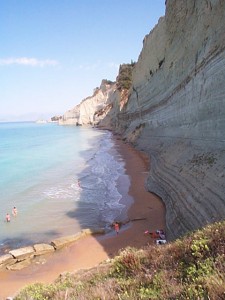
(40, 167)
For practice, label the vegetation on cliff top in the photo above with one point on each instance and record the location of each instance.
(124, 78)
(189, 268)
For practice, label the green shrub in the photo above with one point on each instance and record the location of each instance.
(124, 78)
(189, 268)
(127, 263)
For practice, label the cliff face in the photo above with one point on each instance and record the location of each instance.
(87, 112)
(176, 112)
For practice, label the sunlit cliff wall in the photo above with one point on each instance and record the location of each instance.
(87, 111)
(176, 112)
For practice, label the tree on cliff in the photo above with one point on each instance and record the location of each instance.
(124, 79)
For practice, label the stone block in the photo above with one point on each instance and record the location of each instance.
(22, 253)
(89, 231)
(19, 265)
(66, 240)
(6, 259)
(41, 249)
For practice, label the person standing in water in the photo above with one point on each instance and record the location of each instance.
(7, 217)
(14, 211)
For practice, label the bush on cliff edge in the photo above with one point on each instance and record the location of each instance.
(124, 78)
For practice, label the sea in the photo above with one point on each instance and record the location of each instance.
(61, 179)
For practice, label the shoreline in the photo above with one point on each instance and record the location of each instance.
(147, 209)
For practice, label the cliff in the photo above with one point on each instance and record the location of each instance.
(87, 111)
(175, 112)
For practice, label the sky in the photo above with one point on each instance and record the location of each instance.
(53, 53)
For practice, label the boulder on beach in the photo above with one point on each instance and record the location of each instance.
(19, 265)
(41, 249)
(6, 259)
(66, 240)
(22, 253)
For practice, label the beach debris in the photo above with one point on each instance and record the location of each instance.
(161, 242)
(138, 219)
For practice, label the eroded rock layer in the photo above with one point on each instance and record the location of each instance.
(176, 112)
(87, 112)
(173, 108)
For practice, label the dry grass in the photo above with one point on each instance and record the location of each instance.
(189, 268)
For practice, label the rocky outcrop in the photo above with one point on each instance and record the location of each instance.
(6, 259)
(21, 258)
(41, 249)
(87, 111)
(175, 112)
(66, 240)
(22, 253)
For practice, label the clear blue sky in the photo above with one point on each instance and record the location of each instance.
(53, 53)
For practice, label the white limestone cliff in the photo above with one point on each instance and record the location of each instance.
(176, 112)
(87, 111)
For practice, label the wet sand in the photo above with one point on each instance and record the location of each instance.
(146, 212)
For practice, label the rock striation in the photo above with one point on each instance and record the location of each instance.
(174, 111)
(87, 112)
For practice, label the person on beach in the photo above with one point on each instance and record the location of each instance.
(116, 227)
(159, 236)
(162, 234)
(78, 183)
(14, 211)
(7, 217)
(156, 234)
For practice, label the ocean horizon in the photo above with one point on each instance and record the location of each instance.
(61, 179)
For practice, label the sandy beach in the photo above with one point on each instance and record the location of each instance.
(146, 212)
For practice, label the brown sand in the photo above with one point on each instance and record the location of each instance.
(90, 251)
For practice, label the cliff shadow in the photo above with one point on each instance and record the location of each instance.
(135, 209)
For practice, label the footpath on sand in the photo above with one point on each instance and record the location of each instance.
(147, 213)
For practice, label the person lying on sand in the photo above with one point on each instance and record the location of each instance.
(158, 234)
